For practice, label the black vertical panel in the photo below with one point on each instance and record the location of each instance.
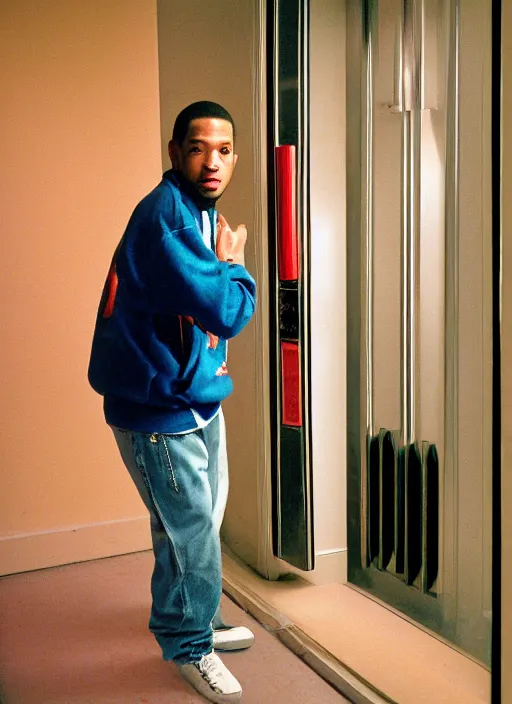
(387, 500)
(289, 310)
(288, 71)
(414, 513)
(432, 527)
(373, 498)
(293, 546)
(400, 513)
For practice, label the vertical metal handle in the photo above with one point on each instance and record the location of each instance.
(398, 67)
(411, 51)
(415, 60)
(411, 138)
(411, 19)
(368, 234)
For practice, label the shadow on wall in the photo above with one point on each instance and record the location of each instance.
(202, 58)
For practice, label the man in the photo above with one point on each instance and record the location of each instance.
(177, 289)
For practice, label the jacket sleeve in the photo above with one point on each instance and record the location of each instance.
(185, 278)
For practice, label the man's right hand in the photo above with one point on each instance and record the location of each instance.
(230, 243)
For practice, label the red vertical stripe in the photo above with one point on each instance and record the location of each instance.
(112, 282)
(286, 213)
(290, 384)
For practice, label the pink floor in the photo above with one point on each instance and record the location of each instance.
(78, 635)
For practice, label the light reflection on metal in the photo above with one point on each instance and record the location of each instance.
(412, 33)
(416, 57)
(368, 215)
(367, 238)
(449, 489)
(304, 271)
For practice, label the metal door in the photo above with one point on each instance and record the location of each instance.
(288, 42)
(420, 311)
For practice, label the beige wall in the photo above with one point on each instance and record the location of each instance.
(328, 289)
(79, 130)
(208, 55)
(506, 356)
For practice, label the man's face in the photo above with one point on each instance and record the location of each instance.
(206, 158)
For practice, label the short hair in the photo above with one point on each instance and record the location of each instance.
(195, 111)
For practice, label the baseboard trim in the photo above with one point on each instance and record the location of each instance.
(330, 567)
(33, 551)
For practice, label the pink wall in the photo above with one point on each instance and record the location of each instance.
(80, 138)
(506, 355)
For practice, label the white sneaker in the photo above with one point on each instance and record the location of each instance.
(211, 678)
(232, 638)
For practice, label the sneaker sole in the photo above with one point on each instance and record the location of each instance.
(232, 646)
(225, 644)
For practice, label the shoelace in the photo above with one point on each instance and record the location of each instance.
(210, 668)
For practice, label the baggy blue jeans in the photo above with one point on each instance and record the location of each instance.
(183, 481)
